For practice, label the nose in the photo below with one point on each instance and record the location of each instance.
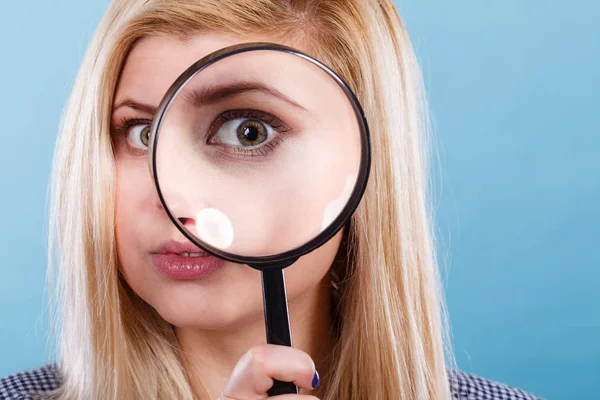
(188, 223)
(178, 207)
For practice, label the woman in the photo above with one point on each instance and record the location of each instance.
(366, 308)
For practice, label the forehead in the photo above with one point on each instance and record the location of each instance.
(155, 62)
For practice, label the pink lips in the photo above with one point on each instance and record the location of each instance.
(173, 265)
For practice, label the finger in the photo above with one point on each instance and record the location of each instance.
(253, 375)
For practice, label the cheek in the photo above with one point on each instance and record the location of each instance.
(310, 270)
(135, 210)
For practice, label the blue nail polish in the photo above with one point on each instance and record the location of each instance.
(316, 381)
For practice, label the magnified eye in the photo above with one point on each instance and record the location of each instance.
(243, 132)
(139, 136)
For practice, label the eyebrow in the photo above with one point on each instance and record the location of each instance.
(210, 95)
(135, 105)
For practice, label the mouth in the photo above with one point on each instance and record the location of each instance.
(192, 255)
(176, 260)
(182, 249)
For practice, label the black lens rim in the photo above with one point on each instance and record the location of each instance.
(276, 260)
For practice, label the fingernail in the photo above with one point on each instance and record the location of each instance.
(316, 381)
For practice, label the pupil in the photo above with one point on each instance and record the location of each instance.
(251, 133)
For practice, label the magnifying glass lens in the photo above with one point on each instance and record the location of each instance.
(258, 153)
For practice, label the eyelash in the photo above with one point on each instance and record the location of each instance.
(121, 129)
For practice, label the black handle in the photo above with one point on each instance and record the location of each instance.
(282, 388)
(277, 320)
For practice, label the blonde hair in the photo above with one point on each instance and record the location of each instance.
(113, 346)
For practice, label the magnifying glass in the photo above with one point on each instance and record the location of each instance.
(260, 154)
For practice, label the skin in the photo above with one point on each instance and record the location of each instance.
(218, 318)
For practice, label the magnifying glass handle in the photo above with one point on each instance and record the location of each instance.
(277, 320)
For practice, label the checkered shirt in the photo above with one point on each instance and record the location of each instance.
(24, 385)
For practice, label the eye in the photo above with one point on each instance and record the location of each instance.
(138, 136)
(243, 132)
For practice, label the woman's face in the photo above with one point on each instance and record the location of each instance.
(188, 290)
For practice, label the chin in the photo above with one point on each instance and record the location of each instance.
(229, 297)
(208, 311)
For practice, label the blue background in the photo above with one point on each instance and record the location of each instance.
(514, 89)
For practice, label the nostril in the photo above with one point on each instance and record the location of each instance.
(189, 224)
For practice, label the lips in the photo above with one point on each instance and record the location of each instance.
(173, 247)
(177, 260)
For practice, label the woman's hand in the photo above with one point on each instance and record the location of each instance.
(254, 373)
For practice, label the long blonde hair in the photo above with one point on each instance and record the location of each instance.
(113, 346)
